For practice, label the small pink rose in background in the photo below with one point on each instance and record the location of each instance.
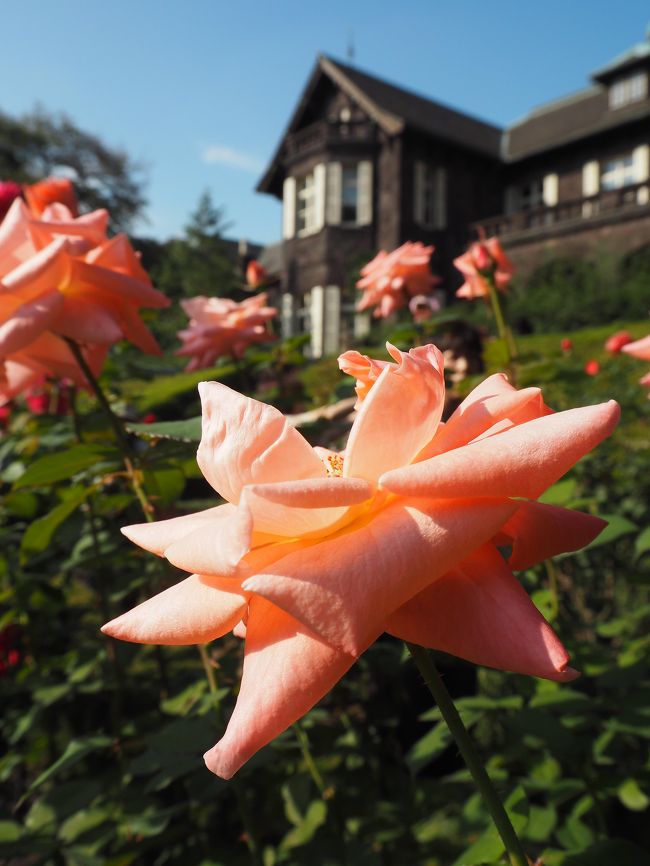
(566, 345)
(391, 279)
(220, 326)
(484, 258)
(316, 553)
(52, 190)
(422, 307)
(615, 343)
(256, 274)
(8, 192)
(592, 367)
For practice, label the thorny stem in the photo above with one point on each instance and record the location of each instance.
(467, 749)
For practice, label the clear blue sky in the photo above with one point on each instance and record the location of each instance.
(201, 90)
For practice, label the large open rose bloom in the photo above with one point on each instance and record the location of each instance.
(391, 279)
(61, 276)
(315, 554)
(220, 326)
(482, 258)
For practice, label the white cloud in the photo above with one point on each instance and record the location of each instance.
(216, 154)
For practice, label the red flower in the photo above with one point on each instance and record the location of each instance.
(566, 345)
(592, 368)
(616, 342)
(149, 418)
(256, 274)
(8, 192)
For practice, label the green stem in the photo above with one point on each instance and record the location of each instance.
(552, 586)
(504, 331)
(467, 749)
(314, 772)
(212, 680)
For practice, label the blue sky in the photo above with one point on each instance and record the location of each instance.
(201, 90)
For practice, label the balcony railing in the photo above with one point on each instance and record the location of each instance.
(324, 133)
(624, 201)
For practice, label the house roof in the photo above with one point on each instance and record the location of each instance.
(393, 109)
(633, 56)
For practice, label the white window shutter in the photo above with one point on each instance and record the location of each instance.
(332, 321)
(511, 200)
(317, 320)
(440, 201)
(641, 157)
(590, 178)
(364, 193)
(287, 315)
(550, 190)
(289, 207)
(319, 196)
(419, 192)
(334, 192)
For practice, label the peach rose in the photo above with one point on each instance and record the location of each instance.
(61, 276)
(390, 279)
(483, 258)
(316, 553)
(41, 195)
(219, 326)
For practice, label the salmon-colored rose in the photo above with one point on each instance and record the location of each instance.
(391, 279)
(62, 276)
(52, 190)
(316, 553)
(483, 259)
(617, 341)
(640, 349)
(219, 326)
(256, 274)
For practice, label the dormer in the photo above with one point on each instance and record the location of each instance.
(627, 77)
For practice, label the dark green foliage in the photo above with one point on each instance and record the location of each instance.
(101, 741)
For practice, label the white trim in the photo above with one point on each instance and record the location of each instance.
(319, 197)
(334, 189)
(364, 193)
(590, 178)
(550, 189)
(288, 207)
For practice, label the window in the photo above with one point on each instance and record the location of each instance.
(430, 195)
(349, 194)
(617, 173)
(531, 194)
(627, 90)
(306, 205)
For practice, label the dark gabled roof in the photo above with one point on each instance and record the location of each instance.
(566, 120)
(402, 108)
(393, 109)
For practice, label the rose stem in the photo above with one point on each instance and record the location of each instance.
(467, 749)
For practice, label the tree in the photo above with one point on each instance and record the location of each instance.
(202, 263)
(40, 144)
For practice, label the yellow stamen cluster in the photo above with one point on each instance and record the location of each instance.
(333, 465)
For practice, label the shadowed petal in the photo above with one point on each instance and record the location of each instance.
(156, 537)
(522, 461)
(28, 322)
(196, 610)
(538, 531)
(287, 669)
(478, 611)
(346, 586)
(247, 442)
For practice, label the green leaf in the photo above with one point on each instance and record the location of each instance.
(76, 751)
(180, 431)
(561, 493)
(489, 847)
(616, 528)
(314, 818)
(63, 465)
(632, 797)
(642, 543)
(39, 533)
(165, 484)
(165, 388)
(10, 831)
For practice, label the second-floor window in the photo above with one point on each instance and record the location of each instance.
(349, 194)
(632, 88)
(305, 205)
(617, 173)
(531, 194)
(430, 199)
